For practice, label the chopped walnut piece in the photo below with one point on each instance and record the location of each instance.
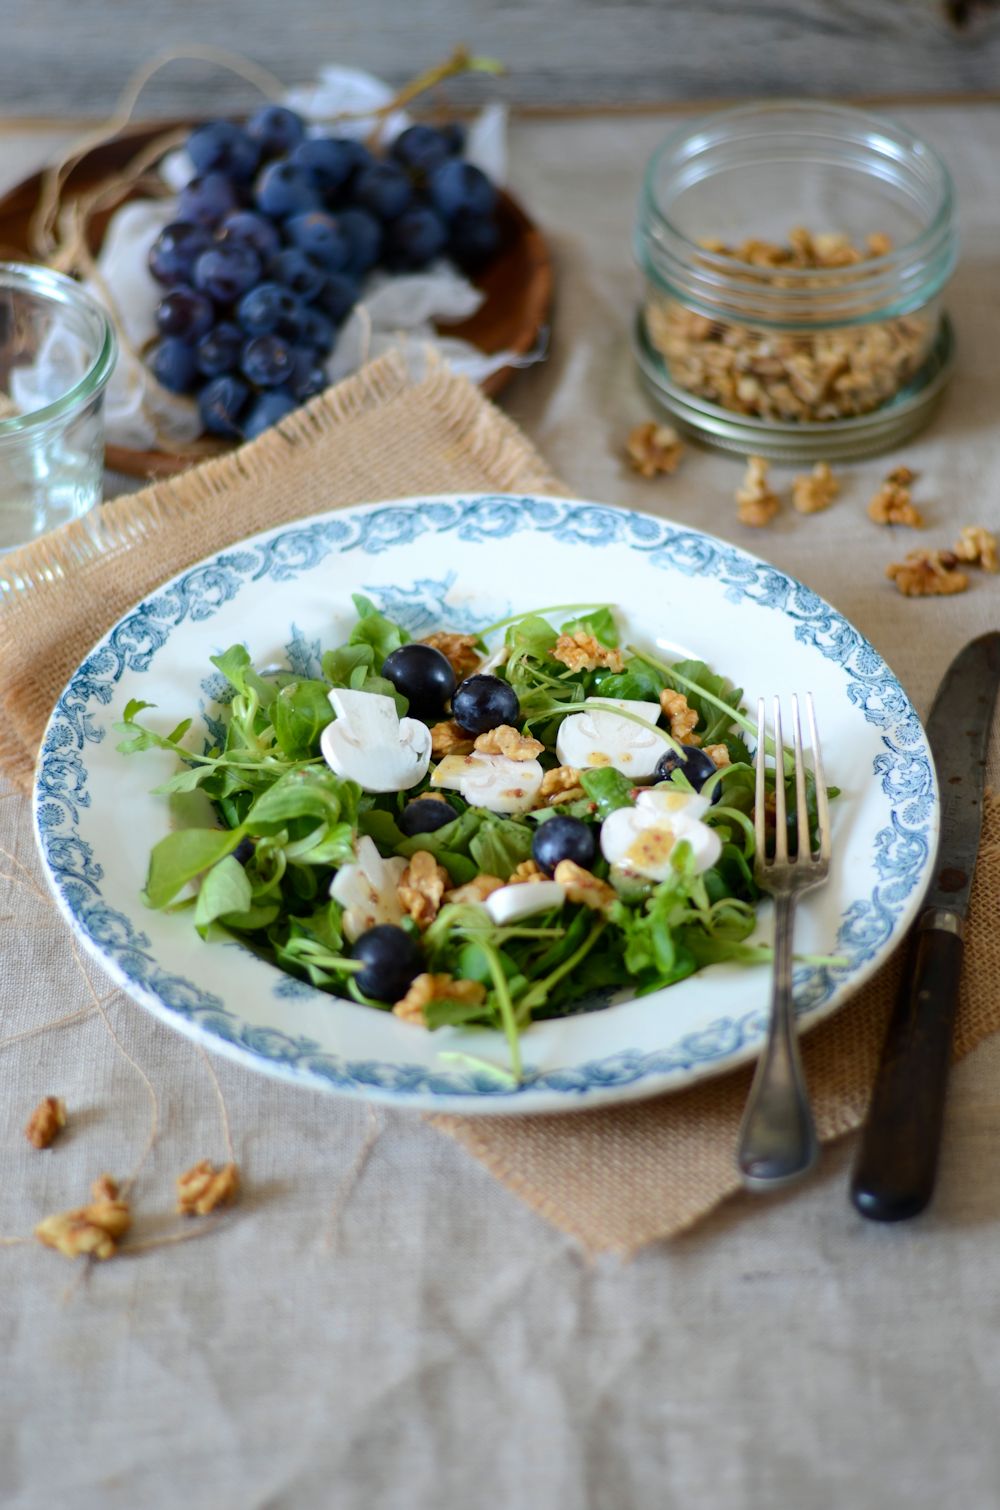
(421, 888)
(428, 988)
(508, 741)
(526, 873)
(46, 1121)
(583, 652)
(653, 448)
(458, 649)
(892, 505)
(476, 890)
(450, 738)
(583, 887)
(682, 717)
(560, 785)
(978, 546)
(93, 1231)
(878, 244)
(799, 376)
(756, 503)
(925, 574)
(718, 755)
(815, 490)
(202, 1188)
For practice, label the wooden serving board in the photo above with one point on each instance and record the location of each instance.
(517, 283)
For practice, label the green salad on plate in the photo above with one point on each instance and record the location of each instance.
(477, 830)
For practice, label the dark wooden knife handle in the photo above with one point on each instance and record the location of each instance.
(896, 1165)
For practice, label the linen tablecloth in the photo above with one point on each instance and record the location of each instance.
(380, 1324)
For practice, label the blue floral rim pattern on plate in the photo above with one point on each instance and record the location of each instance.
(903, 768)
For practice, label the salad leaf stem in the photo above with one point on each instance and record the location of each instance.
(536, 994)
(507, 1014)
(515, 618)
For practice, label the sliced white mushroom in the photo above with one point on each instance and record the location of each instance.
(640, 840)
(491, 781)
(597, 738)
(369, 742)
(367, 891)
(509, 904)
(672, 799)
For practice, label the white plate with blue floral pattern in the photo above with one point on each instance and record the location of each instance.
(462, 562)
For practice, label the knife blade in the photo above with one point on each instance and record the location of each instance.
(895, 1170)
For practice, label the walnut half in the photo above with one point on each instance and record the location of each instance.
(202, 1188)
(92, 1231)
(46, 1121)
(428, 988)
(653, 448)
(926, 574)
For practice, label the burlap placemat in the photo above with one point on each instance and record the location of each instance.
(615, 1179)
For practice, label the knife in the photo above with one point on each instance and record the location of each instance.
(894, 1173)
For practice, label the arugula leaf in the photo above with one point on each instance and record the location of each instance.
(531, 635)
(146, 739)
(300, 713)
(609, 788)
(341, 665)
(450, 1013)
(637, 684)
(714, 724)
(600, 622)
(237, 667)
(304, 792)
(456, 836)
(374, 629)
(225, 888)
(382, 827)
(500, 846)
(181, 856)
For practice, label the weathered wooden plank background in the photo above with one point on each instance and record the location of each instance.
(73, 56)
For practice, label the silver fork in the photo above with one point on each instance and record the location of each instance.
(777, 1141)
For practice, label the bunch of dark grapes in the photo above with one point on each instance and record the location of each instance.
(272, 241)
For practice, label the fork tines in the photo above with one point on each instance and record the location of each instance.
(804, 854)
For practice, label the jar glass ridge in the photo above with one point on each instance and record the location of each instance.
(57, 353)
(777, 346)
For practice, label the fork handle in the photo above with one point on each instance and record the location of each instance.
(777, 1141)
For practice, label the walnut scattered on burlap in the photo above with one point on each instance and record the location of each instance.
(814, 491)
(926, 574)
(476, 890)
(458, 649)
(651, 449)
(428, 988)
(584, 652)
(783, 376)
(449, 738)
(581, 886)
(756, 502)
(421, 888)
(978, 546)
(202, 1188)
(46, 1121)
(682, 716)
(892, 503)
(510, 742)
(91, 1231)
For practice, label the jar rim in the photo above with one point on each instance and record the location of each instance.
(931, 249)
(57, 288)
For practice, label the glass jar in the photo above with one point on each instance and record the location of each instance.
(795, 257)
(57, 351)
